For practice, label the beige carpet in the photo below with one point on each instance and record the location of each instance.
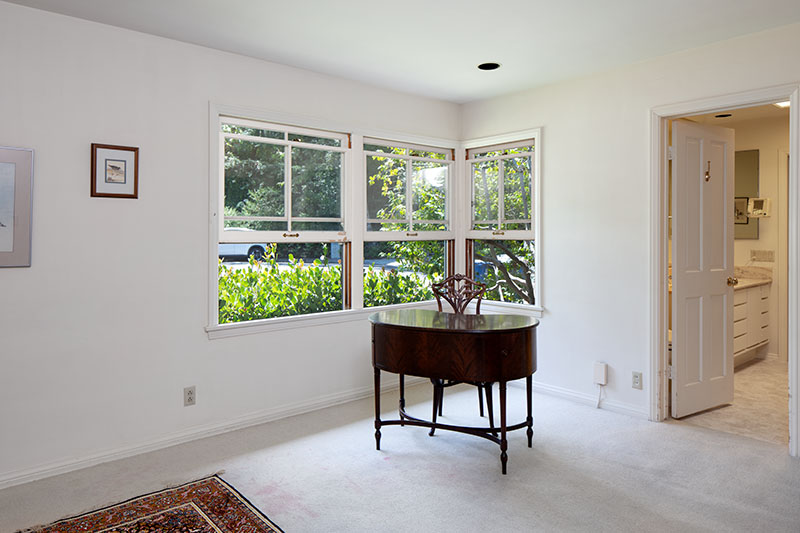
(760, 407)
(589, 470)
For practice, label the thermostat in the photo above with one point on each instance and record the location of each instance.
(759, 207)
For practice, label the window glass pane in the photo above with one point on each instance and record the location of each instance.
(430, 155)
(401, 271)
(396, 150)
(253, 132)
(490, 153)
(519, 149)
(279, 280)
(429, 194)
(259, 225)
(316, 185)
(386, 192)
(253, 178)
(507, 268)
(484, 193)
(517, 188)
(311, 139)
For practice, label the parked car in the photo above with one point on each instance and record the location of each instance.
(241, 249)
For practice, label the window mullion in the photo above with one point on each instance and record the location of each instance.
(501, 195)
(409, 192)
(287, 187)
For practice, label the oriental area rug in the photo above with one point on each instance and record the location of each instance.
(206, 506)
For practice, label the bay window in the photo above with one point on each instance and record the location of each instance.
(286, 220)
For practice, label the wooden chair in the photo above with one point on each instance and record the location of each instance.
(459, 290)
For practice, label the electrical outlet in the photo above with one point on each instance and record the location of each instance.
(637, 380)
(762, 255)
(189, 396)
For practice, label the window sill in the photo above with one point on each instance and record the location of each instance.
(237, 329)
(223, 331)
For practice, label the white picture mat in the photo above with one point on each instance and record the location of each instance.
(101, 186)
(7, 175)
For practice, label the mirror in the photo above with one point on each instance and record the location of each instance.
(745, 187)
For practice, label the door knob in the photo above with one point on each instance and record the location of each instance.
(732, 282)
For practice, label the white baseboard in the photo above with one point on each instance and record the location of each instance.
(590, 399)
(18, 477)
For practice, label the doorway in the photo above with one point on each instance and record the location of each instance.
(659, 378)
(760, 401)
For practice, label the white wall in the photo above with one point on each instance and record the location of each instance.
(595, 258)
(100, 335)
(771, 138)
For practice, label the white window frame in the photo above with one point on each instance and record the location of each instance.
(411, 234)
(520, 138)
(289, 234)
(354, 213)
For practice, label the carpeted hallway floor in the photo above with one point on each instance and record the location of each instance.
(760, 407)
(589, 470)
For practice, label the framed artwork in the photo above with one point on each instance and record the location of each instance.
(115, 171)
(740, 210)
(16, 192)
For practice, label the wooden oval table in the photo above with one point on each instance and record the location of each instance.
(447, 346)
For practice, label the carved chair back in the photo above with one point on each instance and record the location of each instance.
(459, 290)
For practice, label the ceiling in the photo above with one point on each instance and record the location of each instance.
(742, 114)
(432, 47)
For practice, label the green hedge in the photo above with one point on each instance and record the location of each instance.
(264, 289)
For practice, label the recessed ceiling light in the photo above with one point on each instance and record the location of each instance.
(489, 66)
(782, 104)
(723, 115)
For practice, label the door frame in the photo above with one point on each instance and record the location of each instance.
(659, 198)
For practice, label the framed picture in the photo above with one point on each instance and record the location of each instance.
(16, 188)
(740, 210)
(115, 171)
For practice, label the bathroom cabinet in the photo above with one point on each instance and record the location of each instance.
(750, 320)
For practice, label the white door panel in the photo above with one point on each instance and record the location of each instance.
(702, 262)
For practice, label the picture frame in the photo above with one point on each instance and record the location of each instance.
(115, 171)
(16, 203)
(740, 210)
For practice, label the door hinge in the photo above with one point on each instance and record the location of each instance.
(669, 372)
(669, 153)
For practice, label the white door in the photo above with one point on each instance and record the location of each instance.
(702, 262)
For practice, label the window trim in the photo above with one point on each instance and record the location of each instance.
(534, 234)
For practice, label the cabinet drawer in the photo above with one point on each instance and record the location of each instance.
(764, 304)
(740, 297)
(739, 312)
(739, 328)
(764, 320)
(765, 290)
(740, 343)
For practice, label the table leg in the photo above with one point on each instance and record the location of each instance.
(503, 441)
(490, 407)
(402, 398)
(377, 409)
(438, 391)
(529, 420)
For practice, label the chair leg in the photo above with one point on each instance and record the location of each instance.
(489, 407)
(480, 397)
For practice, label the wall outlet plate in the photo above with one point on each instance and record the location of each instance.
(189, 396)
(636, 382)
